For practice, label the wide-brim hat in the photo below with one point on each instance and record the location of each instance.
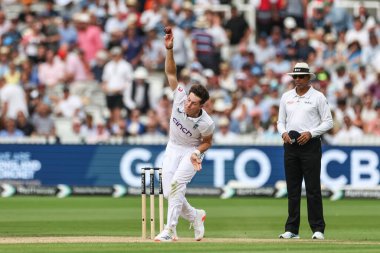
(140, 73)
(302, 68)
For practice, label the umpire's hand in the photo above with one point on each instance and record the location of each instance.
(286, 138)
(304, 138)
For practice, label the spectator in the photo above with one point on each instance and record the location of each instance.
(12, 37)
(70, 105)
(296, 9)
(358, 33)
(374, 88)
(138, 96)
(50, 32)
(10, 130)
(373, 126)
(32, 39)
(23, 123)
(77, 67)
(337, 19)
(203, 44)
(13, 75)
(117, 77)
(224, 135)
(262, 50)
(134, 126)
(220, 39)
(5, 24)
(267, 15)
(52, 72)
(13, 100)
(348, 132)
(98, 68)
(43, 121)
(302, 45)
(163, 110)
(188, 18)
(237, 30)
(68, 33)
(153, 57)
(132, 45)
(150, 18)
(369, 51)
(89, 36)
(99, 135)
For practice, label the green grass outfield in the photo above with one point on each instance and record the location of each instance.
(114, 225)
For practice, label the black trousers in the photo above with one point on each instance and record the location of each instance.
(304, 162)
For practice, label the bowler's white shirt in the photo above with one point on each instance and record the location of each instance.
(184, 130)
(307, 113)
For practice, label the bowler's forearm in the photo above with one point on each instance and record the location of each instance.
(170, 67)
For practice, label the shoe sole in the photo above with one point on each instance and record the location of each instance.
(295, 237)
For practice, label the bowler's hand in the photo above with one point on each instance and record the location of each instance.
(196, 161)
(168, 38)
(286, 138)
(304, 138)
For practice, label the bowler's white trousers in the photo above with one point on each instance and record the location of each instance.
(177, 172)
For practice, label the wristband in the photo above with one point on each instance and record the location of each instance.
(197, 153)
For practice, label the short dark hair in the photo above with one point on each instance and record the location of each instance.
(200, 91)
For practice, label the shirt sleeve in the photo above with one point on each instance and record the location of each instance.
(179, 94)
(326, 118)
(209, 130)
(282, 117)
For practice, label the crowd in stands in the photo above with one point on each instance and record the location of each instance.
(55, 58)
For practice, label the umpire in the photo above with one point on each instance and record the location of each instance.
(303, 117)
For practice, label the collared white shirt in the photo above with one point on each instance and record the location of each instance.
(184, 130)
(117, 75)
(307, 113)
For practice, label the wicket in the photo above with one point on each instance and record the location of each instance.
(143, 201)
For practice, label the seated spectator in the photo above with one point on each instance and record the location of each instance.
(52, 72)
(224, 135)
(10, 130)
(153, 57)
(163, 111)
(100, 135)
(12, 98)
(43, 121)
(134, 125)
(348, 132)
(152, 127)
(70, 105)
(373, 126)
(24, 124)
(88, 128)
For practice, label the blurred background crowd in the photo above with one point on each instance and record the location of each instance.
(92, 71)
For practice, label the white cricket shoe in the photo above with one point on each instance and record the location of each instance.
(289, 235)
(318, 236)
(167, 235)
(198, 224)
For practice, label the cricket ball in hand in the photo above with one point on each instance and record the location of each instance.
(168, 30)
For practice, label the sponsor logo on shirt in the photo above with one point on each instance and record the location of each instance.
(181, 127)
(180, 89)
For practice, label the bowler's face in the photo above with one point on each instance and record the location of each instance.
(193, 105)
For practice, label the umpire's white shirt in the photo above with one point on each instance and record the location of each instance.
(307, 113)
(187, 131)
